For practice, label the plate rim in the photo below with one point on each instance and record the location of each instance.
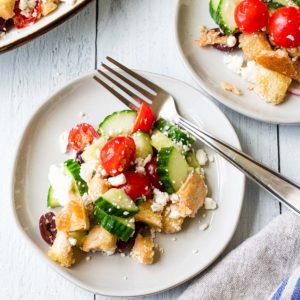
(210, 91)
(55, 267)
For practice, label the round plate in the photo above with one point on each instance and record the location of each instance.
(115, 275)
(207, 67)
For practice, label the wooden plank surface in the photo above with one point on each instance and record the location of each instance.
(139, 33)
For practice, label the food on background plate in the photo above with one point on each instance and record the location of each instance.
(133, 177)
(268, 33)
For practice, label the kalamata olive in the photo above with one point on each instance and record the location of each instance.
(2, 26)
(223, 47)
(48, 227)
(79, 158)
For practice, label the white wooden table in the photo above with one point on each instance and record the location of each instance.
(139, 33)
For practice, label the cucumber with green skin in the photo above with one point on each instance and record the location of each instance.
(281, 3)
(116, 202)
(213, 7)
(171, 168)
(122, 228)
(143, 145)
(73, 168)
(118, 123)
(51, 201)
(90, 152)
(160, 140)
(191, 159)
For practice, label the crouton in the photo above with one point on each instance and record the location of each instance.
(72, 217)
(61, 251)
(171, 221)
(148, 216)
(98, 186)
(143, 250)
(191, 195)
(277, 61)
(99, 239)
(48, 6)
(211, 37)
(253, 44)
(231, 88)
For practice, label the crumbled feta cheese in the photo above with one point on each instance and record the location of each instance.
(174, 198)
(87, 258)
(211, 158)
(143, 162)
(231, 41)
(203, 226)
(63, 142)
(174, 213)
(201, 157)
(109, 253)
(233, 62)
(210, 204)
(61, 182)
(117, 180)
(123, 254)
(27, 7)
(249, 72)
(160, 200)
(72, 241)
(88, 169)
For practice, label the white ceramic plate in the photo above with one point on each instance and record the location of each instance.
(206, 66)
(16, 37)
(105, 275)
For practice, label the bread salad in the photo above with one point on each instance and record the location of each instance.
(132, 178)
(22, 13)
(268, 33)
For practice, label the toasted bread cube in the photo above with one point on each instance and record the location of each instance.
(98, 186)
(277, 61)
(143, 250)
(148, 216)
(171, 224)
(191, 195)
(61, 251)
(99, 239)
(253, 44)
(73, 217)
(7, 9)
(48, 6)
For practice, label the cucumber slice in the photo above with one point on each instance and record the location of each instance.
(74, 169)
(192, 159)
(159, 140)
(122, 228)
(175, 134)
(225, 15)
(51, 201)
(116, 202)
(118, 123)
(143, 144)
(172, 169)
(213, 7)
(280, 3)
(90, 152)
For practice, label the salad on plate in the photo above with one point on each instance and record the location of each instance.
(268, 33)
(134, 177)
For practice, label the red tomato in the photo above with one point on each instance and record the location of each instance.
(81, 136)
(151, 173)
(144, 119)
(251, 15)
(284, 27)
(117, 155)
(21, 21)
(137, 185)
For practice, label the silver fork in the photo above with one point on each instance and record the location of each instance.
(163, 105)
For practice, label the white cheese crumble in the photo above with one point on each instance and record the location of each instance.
(61, 182)
(201, 157)
(249, 72)
(174, 213)
(88, 169)
(72, 241)
(174, 198)
(63, 141)
(210, 204)
(211, 158)
(117, 180)
(160, 200)
(231, 41)
(203, 226)
(140, 162)
(233, 62)
(88, 258)
(27, 7)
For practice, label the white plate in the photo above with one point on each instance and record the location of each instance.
(207, 67)
(105, 275)
(16, 37)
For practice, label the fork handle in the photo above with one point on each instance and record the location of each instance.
(279, 186)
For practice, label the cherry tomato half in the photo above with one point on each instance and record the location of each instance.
(137, 185)
(151, 173)
(251, 15)
(144, 119)
(284, 27)
(21, 21)
(117, 155)
(81, 136)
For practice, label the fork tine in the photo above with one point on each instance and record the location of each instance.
(142, 79)
(129, 82)
(116, 94)
(121, 87)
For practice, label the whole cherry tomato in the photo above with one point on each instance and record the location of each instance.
(117, 155)
(81, 136)
(284, 27)
(137, 185)
(151, 173)
(251, 15)
(144, 119)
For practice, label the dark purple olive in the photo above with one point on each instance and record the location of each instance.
(48, 227)
(2, 25)
(79, 157)
(223, 47)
